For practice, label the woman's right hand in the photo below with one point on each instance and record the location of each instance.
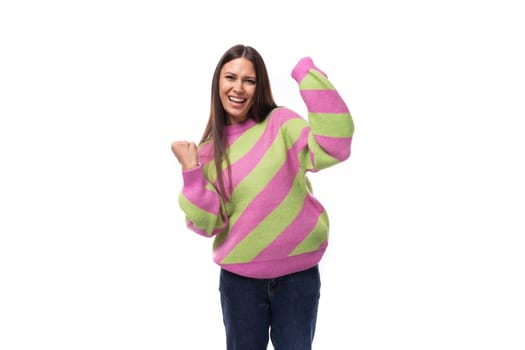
(186, 153)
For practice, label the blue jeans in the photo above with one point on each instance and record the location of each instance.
(283, 308)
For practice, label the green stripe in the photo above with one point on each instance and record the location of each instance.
(269, 228)
(246, 142)
(333, 125)
(242, 145)
(318, 236)
(197, 215)
(315, 81)
(292, 129)
(258, 178)
(265, 170)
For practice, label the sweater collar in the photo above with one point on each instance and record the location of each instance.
(239, 127)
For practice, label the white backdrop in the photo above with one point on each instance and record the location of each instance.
(427, 215)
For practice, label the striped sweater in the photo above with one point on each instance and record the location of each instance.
(272, 225)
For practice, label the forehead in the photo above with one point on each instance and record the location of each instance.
(239, 66)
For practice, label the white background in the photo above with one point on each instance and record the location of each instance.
(427, 215)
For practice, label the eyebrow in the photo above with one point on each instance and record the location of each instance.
(246, 77)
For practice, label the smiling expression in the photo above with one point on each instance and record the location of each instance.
(237, 89)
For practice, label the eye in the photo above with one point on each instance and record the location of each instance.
(229, 77)
(250, 81)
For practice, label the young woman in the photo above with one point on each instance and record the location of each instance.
(245, 185)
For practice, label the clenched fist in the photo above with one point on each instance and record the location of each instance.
(186, 153)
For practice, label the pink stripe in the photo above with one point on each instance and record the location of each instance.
(262, 205)
(206, 153)
(294, 234)
(206, 200)
(250, 160)
(233, 137)
(324, 101)
(337, 147)
(277, 268)
(209, 200)
(203, 232)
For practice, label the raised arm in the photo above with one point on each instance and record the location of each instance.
(331, 124)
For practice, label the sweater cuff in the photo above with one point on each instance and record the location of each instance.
(302, 68)
(192, 176)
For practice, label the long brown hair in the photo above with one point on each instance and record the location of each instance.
(263, 104)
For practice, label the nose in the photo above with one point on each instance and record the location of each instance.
(239, 86)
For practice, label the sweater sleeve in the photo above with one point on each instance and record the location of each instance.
(201, 204)
(330, 122)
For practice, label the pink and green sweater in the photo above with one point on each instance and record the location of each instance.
(272, 225)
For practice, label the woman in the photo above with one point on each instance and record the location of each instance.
(245, 184)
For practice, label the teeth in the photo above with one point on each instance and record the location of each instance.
(238, 100)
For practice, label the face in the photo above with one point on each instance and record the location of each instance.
(237, 89)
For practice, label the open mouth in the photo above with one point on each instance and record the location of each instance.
(236, 99)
